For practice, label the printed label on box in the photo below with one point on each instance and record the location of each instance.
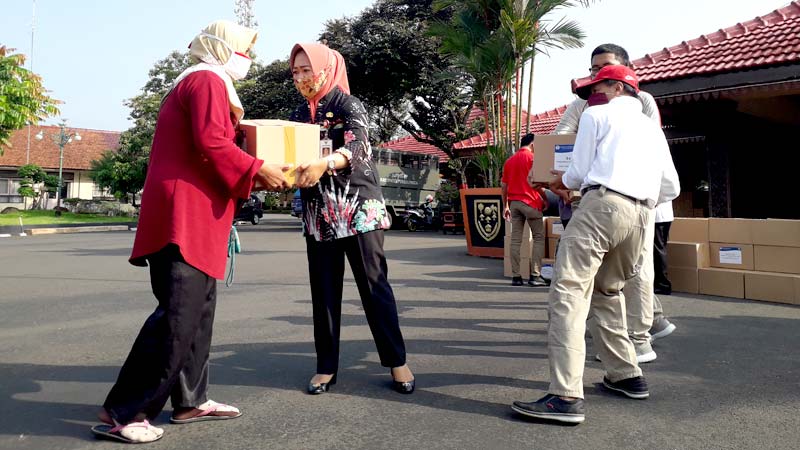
(730, 255)
(563, 157)
(546, 271)
(558, 228)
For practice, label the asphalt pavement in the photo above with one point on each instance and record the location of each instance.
(728, 378)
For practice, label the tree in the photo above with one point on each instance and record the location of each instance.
(491, 41)
(124, 173)
(269, 93)
(23, 98)
(395, 68)
(35, 184)
(245, 13)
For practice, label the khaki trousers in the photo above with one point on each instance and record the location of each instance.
(599, 252)
(521, 213)
(641, 304)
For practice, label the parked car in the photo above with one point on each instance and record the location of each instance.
(251, 211)
(297, 204)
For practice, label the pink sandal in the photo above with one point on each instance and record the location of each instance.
(210, 410)
(132, 433)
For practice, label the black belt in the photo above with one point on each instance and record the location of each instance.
(595, 187)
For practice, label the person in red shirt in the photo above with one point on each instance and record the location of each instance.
(195, 177)
(523, 203)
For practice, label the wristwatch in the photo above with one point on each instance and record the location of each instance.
(331, 163)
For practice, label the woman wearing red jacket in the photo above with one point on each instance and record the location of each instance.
(195, 176)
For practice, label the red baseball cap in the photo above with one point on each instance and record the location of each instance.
(617, 73)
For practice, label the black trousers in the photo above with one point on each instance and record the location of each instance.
(170, 356)
(326, 273)
(661, 282)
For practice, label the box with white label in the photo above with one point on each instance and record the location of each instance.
(545, 157)
(562, 156)
(554, 228)
(732, 256)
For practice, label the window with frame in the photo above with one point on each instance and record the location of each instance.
(9, 191)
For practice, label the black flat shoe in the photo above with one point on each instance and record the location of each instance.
(321, 388)
(403, 387)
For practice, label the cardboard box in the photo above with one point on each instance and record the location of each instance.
(526, 230)
(281, 142)
(524, 268)
(731, 256)
(777, 232)
(554, 228)
(777, 259)
(684, 279)
(686, 229)
(525, 248)
(552, 243)
(691, 255)
(721, 282)
(732, 231)
(552, 152)
(772, 287)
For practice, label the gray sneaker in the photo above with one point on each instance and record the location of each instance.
(661, 327)
(537, 281)
(644, 353)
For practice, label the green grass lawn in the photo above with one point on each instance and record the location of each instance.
(49, 217)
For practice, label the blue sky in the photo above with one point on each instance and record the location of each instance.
(95, 54)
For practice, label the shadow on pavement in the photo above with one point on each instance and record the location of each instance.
(755, 357)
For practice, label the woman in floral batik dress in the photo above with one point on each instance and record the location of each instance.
(344, 215)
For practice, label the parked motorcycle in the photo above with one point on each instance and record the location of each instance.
(422, 217)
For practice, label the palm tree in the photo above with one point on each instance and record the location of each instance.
(492, 41)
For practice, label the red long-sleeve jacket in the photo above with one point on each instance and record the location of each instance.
(195, 176)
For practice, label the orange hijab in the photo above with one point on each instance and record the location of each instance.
(325, 63)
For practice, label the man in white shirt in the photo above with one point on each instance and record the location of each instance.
(622, 165)
(645, 314)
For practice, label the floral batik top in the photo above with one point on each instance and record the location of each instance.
(349, 201)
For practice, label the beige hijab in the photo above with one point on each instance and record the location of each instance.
(209, 52)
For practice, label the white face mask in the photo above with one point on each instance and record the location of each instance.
(237, 66)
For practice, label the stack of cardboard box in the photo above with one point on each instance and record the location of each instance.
(740, 258)
(553, 230)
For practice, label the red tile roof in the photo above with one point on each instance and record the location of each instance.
(542, 123)
(767, 40)
(78, 155)
(411, 145)
(477, 113)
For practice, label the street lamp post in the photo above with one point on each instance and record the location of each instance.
(62, 138)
